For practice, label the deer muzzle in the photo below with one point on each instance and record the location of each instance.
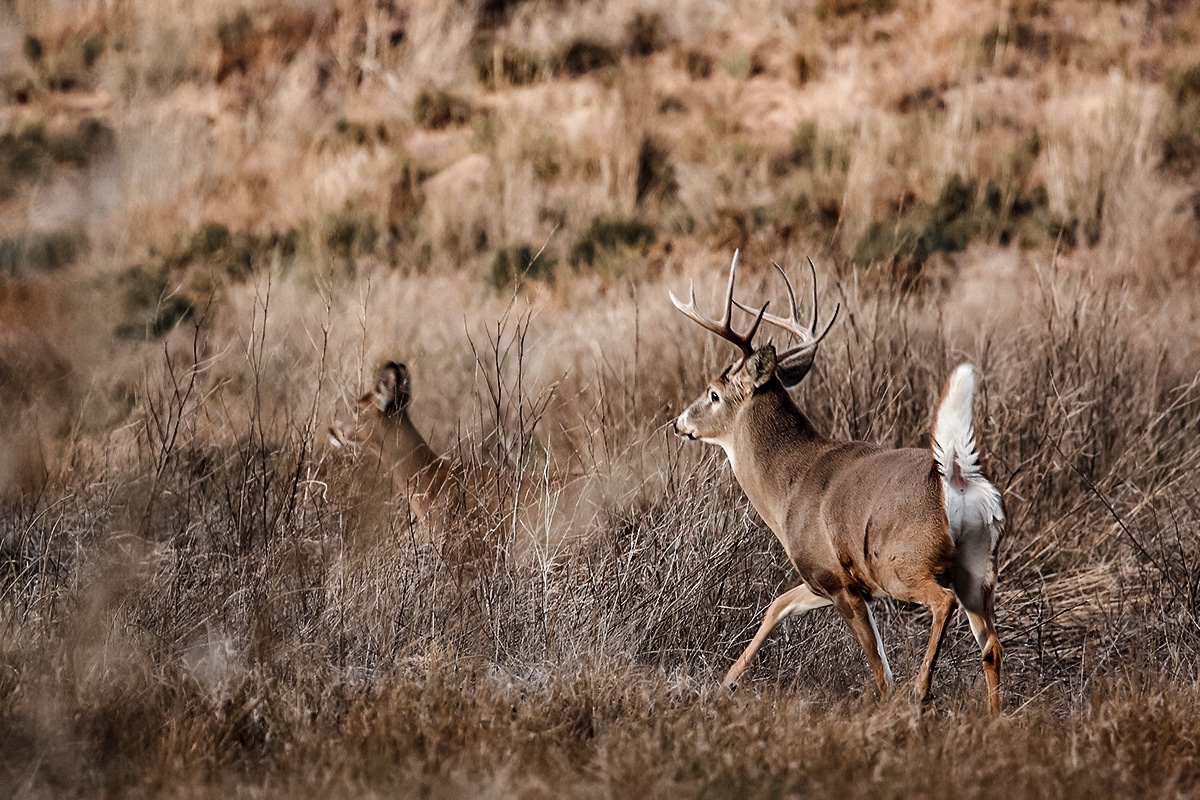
(682, 428)
(337, 438)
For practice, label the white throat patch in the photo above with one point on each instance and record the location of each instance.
(728, 448)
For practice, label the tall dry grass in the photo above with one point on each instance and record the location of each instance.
(211, 597)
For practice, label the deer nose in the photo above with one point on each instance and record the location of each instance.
(680, 431)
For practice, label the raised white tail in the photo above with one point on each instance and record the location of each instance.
(973, 509)
(972, 502)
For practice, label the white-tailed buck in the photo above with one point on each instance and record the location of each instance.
(446, 497)
(857, 520)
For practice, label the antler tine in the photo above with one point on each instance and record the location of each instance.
(723, 327)
(791, 324)
(832, 320)
(791, 293)
(813, 268)
(807, 334)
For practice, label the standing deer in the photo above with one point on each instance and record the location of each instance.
(442, 493)
(382, 425)
(857, 520)
(456, 506)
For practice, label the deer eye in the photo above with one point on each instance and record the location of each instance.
(714, 397)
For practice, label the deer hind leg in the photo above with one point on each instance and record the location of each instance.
(983, 626)
(941, 603)
(858, 614)
(975, 585)
(795, 601)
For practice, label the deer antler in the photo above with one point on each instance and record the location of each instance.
(723, 328)
(807, 334)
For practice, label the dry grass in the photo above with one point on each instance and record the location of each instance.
(198, 598)
(211, 598)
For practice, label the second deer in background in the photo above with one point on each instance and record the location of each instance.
(453, 504)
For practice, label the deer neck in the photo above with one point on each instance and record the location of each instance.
(773, 443)
(413, 461)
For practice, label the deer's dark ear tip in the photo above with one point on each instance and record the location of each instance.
(393, 375)
(391, 387)
(793, 369)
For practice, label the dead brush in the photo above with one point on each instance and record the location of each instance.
(276, 603)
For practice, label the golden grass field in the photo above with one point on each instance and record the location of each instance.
(217, 219)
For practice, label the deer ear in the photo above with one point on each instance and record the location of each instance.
(393, 388)
(758, 368)
(793, 368)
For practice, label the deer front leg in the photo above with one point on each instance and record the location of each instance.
(794, 601)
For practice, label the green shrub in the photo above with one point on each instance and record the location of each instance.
(801, 152)
(645, 34)
(174, 309)
(544, 154)
(232, 31)
(436, 109)
(1179, 122)
(214, 244)
(233, 254)
(348, 134)
(348, 236)
(33, 49)
(29, 153)
(211, 258)
(581, 55)
(16, 88)
(22, 156)
(517, 67)
(610, 238)
(964, 212)
(656, 173)
(211, 238)
(830, 9)
(91, 139)
(93, 48)
(146, 311)
(66, 62)
(810, 151)
(516, 263)
(493, 12)
(41, 252)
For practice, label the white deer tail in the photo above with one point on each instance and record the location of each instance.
(973, 506)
